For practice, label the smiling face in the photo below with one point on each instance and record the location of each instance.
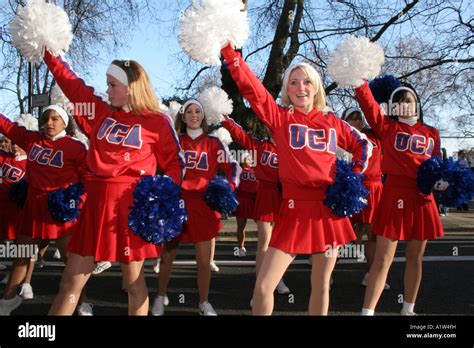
(301, 91)
(6, 144)
(405, 104)
(117, 92)
(355, 120)
(193, 116)
(52, 124)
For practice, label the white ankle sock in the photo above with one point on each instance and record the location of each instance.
(408, 307)
(367, 312)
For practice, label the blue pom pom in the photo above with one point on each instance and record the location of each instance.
(461, 184)
(158, 213)
(429, 172)
(64, 204)
(383, 87)
(220, 196)
(19, 192)
(346, 195)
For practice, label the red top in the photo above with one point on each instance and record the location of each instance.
(11, 171)
(374, 169)
(248, 181)
(405, 147)
(122, 143)
(306, 144)
(266, 168)
(52, 164)
(204, 156)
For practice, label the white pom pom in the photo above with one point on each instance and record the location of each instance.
(28, 121)
(355, 60)
(40, 26)
(223, 135)
(174, 108)
(207, 27)
(216, 103)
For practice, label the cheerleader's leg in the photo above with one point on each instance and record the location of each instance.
(134, 280)
(321, 270)
(413, 269)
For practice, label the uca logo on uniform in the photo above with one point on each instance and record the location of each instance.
(121, 134)
(415, 143)
(11, 173)
(46, 156)
(321, 140)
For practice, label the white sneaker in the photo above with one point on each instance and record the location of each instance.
(282, 289)
(57, 255)
(365, 281)
(101, 266)
(7, 306)
(85, 309)
(406, 313)
(26, 291)
(2, 267)
(242, 252)
(206, 309)
(5, 279)
(156, 267)
(214, 267)
(158, 308)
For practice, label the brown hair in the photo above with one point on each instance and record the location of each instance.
(44, 117)
(141, 97)
(180, 125)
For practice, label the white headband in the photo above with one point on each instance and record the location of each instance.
(193, 101)
(61, 112)
(350, 111)
(118, 73)
(402, 88)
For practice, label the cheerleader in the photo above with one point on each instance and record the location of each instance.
(413, 217)
(204, 157)
(55, 160)
(306, 139)
(362, 222)
(246, 192)
(268, 199)
(129, 139)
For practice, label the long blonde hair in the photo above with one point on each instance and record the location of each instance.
(141, 97)
(319, 101)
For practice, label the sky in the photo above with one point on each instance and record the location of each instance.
(157, 55)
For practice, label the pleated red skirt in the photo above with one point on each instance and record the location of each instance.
(306, 226)
(268, 201)
(203, 223)
(36, 221)
(102, 230)
(405, 213)
(9, 217)
(366, 216)
(246, 207)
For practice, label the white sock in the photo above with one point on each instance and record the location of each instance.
(408, 307)
(367, 312)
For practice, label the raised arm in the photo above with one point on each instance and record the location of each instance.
(372, 111)
(87, 106)
(252, 89)
(168, 151)
(356, 143)
(18, 134)
(239, 135)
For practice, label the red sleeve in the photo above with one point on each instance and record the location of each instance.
(437, 145)
(87, 106)
(168, 151)
(252, 89)
(351, 140)
(239, 135)
(230, 167)
(371, 109)
(19, 135)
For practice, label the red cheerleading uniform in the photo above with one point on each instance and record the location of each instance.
(52, 164)
(124, 146)
(204, 156)
(12, 170)
(306, 147)
(246, 193)
(404, 213)
(372, 180)
(268, 199)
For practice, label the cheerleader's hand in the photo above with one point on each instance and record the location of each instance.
(441, 185)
